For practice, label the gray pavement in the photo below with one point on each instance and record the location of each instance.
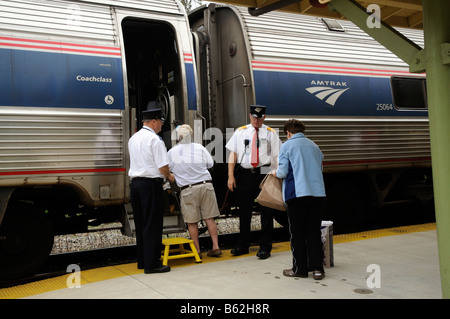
(403, 266)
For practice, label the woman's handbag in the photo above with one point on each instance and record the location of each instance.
(271, 193)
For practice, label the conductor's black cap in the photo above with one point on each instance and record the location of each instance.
(257, 111)
(153, 112)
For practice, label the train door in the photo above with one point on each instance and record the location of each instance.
(225, 72)
(153, 71)
(235, 82)
(153, 57)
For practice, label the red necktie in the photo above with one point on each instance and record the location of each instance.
(255, 150)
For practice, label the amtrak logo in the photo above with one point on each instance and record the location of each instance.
(325, 93)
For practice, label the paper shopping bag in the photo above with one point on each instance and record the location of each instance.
(271, 193)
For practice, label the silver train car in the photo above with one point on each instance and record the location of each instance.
(74, 78)
(359, 102)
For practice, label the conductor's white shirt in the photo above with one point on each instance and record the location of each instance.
(148, 153)
(241, 144)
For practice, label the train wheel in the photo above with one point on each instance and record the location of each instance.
(26, 240)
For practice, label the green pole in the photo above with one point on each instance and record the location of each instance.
(437, 53)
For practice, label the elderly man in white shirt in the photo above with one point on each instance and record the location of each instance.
(189, 162)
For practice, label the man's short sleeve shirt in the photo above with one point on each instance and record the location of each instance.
(148, 153)
(241, 144)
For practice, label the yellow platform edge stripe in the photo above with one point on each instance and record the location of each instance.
(111, 272)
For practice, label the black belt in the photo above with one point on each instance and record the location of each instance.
(204, 182)
(255, 170)
(156, 179)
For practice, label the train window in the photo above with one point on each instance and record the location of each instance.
(333, 25)
(409, 92)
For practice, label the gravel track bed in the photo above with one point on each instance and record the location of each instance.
(109, 235)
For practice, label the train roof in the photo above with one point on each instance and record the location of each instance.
(166, 6)
(291, 37)
(88, 21)
(403, 13)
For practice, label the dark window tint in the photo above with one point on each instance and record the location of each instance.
(410, 93)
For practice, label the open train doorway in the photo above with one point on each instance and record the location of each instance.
(153, 71)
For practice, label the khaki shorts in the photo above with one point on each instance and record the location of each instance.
(198, 202)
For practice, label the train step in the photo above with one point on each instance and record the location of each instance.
(128, 227)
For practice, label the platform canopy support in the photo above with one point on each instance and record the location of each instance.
(434, 59)
(437, 47)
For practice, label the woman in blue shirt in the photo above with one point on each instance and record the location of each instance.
(300, 165)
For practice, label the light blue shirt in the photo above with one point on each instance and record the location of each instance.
(300, 165)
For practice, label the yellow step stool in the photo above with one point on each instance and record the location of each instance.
(183, 253)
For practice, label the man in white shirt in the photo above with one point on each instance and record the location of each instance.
(190, 162)
(149, 166)
(253, 152)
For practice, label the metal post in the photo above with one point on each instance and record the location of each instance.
(437, 66)
(437, 39)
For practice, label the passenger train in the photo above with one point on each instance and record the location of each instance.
(359, 102)
(76, 75)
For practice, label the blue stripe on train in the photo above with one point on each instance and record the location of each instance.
(190, 79)
(43, 79)
(289, 93)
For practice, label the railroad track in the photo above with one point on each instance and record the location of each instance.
(104, 245)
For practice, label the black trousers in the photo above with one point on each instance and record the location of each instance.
(305, 219)
(247, 188)
(146, 199)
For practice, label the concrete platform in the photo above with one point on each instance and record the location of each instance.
(404, 263)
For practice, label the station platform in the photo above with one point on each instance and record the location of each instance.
(393, 263)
